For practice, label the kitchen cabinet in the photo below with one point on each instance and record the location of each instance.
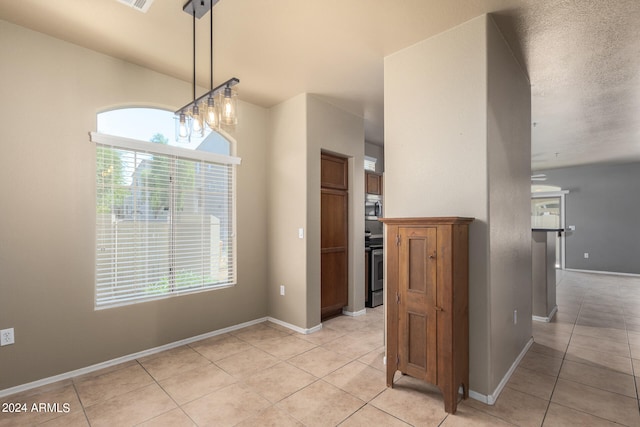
(427, 296)
(334, 232)
(334, 172)
(373, 183)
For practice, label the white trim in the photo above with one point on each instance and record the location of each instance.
(546, 319)
(545, 194)
(169, 150)
(355, 313)
(491, 399)
(143, 353)
(563, 209)
(294, 327)
(614, 273)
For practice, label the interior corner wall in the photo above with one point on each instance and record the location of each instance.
(509, 161)
(337, 131)
(436, 153)
(301, 128)
(47, 182)
(457, 143)
(287, 211)
(603, 204)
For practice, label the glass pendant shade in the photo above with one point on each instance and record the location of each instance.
(228, 107)
(211, 114)
(197, 128)
(219, 106)
(182, 128)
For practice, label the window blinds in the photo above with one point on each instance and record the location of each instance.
(164, 222)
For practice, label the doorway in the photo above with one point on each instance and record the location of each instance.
(548, 211)
(334, 232)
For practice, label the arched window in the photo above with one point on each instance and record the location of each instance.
(165, 211)
(155, 125)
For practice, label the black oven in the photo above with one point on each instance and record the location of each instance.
(376, 274)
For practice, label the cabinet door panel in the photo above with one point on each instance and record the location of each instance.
(416, 309)
(417, 337)
(334, 261)
(333, 172)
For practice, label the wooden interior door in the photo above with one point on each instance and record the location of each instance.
(334, 261)
(417, 329)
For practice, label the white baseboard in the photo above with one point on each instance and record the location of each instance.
(143, 353)
(613, 273)
(491, 399)
(294, 327)
(355, 313)
(546, 319)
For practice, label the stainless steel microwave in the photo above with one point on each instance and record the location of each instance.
(372, 207)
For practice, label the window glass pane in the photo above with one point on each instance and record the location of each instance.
(545, 213)
(370, 163)
(150, 124)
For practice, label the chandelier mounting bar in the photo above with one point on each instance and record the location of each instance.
(213, 92)
(201, 7)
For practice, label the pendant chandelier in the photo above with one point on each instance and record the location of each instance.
(217, 107)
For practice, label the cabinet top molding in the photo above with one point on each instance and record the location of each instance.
(428, 220)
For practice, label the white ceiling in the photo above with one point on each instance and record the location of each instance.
(582, 56)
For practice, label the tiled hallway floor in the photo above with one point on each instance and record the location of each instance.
(579, 371)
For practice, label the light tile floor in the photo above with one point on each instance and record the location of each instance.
(580, 371)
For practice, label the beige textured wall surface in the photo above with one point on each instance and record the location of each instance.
(334, 130)
(287, 211)
(51, 92)
(302, 128)
(458, 142)
(436, 153)
(509, 160)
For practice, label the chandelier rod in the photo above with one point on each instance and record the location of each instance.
(194, 54)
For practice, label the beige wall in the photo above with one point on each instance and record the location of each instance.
(301, 128)
(509, 166)
(287, 211)
(51, 92)
(443, 134)
(339, 132)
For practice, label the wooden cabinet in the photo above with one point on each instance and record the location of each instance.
(334, 232)
(333, 172)
(373, 183)
(428, 310)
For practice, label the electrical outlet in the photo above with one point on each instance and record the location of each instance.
(281, 289)
(6, 336)
(586, 255)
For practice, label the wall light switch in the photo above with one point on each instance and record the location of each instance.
(281, 289)
(300, 233)
(586, 255)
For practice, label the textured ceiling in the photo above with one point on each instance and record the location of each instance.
(582, 56)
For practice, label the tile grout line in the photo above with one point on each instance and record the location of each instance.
(555, 384)
(633, 371)
(168, 395)
(84, 411)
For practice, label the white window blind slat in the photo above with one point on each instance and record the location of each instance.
(164, 222)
